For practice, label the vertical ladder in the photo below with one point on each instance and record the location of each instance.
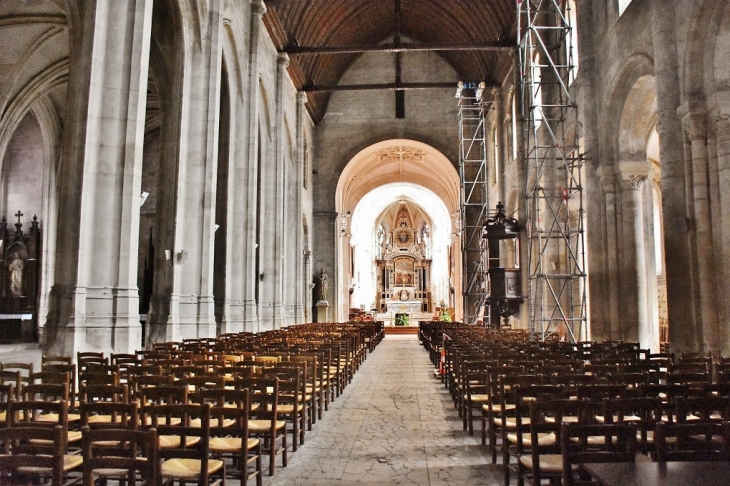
(555, 214)
(474, 200)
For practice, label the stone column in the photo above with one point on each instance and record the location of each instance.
(596, 202)
(499, 164)
(721, 121)
(520, 183)
(192, 312)
(94, 303)
(681, 291)
(300, 283)
(632, 271)
(696, 129)
(251, 318)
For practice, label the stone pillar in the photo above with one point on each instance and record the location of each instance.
(696, 129)
(499, 164)
(300, 282)
(250, 318)
(721, 122)
(681, 290)
(520, 183)
(633, 278)
(610, 237)
(94, 303)
(596, 202)
(192, 312)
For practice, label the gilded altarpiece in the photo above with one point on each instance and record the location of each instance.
(404, 271)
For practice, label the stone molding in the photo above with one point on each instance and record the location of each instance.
(258, 7)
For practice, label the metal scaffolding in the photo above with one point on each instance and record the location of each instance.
(474, 200)
(556, 240)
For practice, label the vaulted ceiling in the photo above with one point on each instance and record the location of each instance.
(323, 37)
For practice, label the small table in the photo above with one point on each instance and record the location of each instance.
(673, 473)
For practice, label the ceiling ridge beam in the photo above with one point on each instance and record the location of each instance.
(407, 47)
(383, 86)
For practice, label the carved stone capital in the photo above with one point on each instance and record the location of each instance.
(696, 126)
(283, 60)
(258, 7)
(302, 97)
(633, 173)
(633, 181)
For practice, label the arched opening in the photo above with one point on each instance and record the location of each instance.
(401, 237)
(397, 202)
(221, 201)
(641, 251)
(160, 171)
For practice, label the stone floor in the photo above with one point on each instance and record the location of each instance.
(394, 424)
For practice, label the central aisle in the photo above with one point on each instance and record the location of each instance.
(394, 424)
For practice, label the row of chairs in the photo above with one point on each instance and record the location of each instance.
(506, 374)
(280, 381)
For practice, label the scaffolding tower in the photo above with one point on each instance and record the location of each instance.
(556, 240)
(474, 201)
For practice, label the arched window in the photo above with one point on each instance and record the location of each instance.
(514, 127)
(572, 42)
(495, 158)
(622, 5)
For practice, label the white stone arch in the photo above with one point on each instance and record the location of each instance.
(386, 162)
(634, 114)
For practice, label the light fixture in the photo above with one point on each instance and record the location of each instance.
(480, 89)
(168, 255)
(459, 87)
(143, 197)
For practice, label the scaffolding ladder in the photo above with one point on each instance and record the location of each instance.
(556, 269)
(474, 201)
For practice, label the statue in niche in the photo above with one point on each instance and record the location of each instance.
(404, 295)
(323, 282)
(426, 241)
(16, 275)
(381, 241)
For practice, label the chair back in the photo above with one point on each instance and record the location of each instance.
(32, 452)
(692, 441)
(584, 443)
(134, 456)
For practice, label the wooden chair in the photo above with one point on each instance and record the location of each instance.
(132, 459)
(13, 379)
(544, 462)
(233, 440)
(516, 438)
(264, 421)
(186, 461)
(291, 401)
(54, 360)
(30, 453)
(110, 415)
(643, 412)
(42, 413)
(693, 441)
(25, 369)
(618, 444)
(7, 393)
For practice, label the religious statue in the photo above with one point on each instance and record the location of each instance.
(323, 281)
(381, 240)
(16, 276)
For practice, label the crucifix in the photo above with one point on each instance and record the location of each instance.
(18, 225)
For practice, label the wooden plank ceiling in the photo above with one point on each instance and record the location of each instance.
(473, 36)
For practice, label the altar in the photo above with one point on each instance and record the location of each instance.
(403, 306)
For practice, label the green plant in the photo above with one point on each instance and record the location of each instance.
(445, 315)
(401, 320)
